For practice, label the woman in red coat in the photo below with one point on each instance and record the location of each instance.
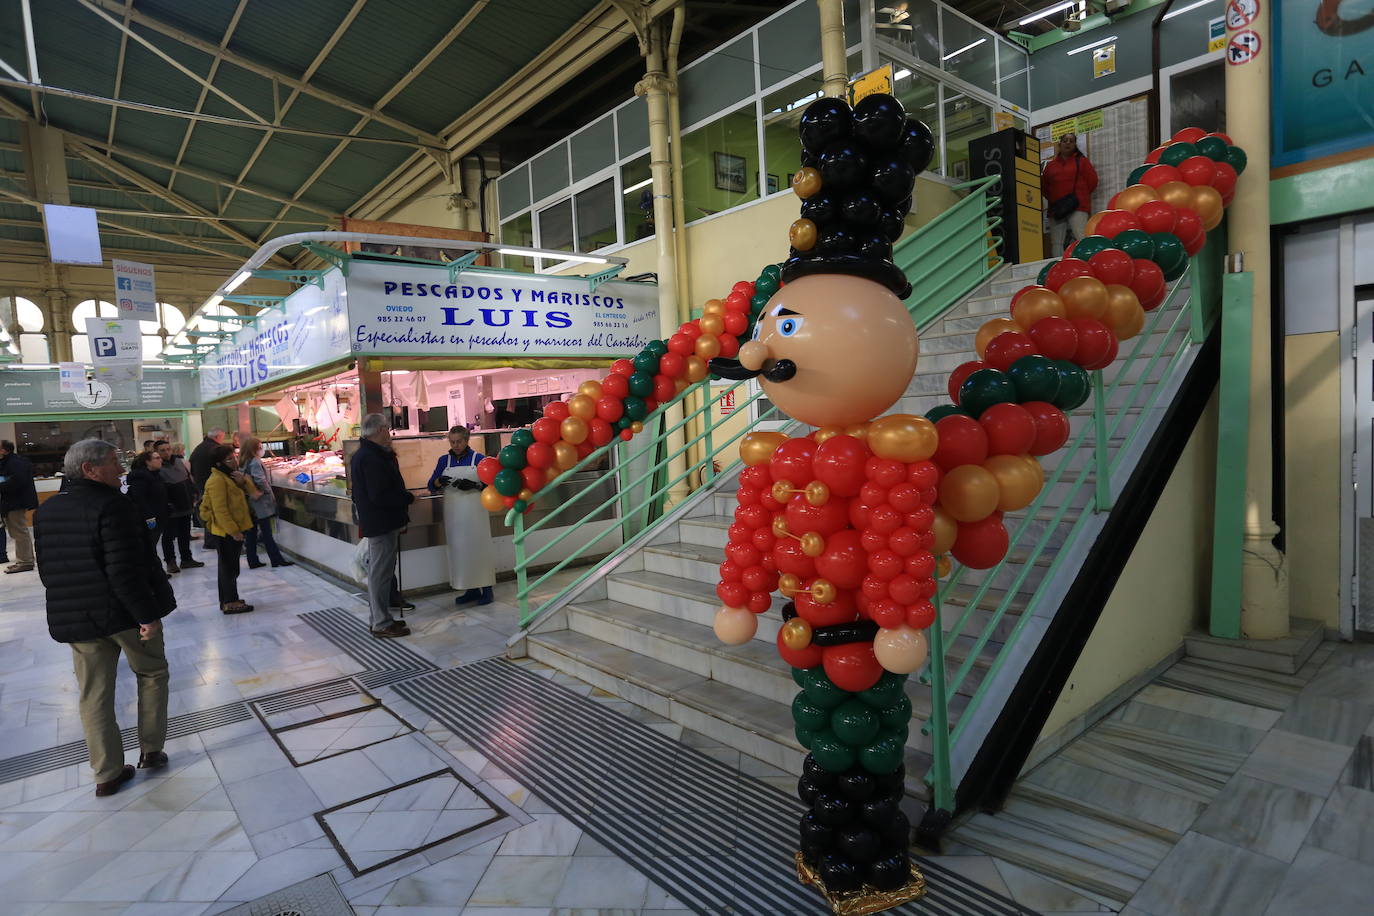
(1069, 172)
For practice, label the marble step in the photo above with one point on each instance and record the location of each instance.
(1286, 655)
(755, 725)
(705, 530)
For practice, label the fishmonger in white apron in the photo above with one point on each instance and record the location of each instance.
(467, 526)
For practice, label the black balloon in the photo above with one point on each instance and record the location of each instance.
(891, 783)
(834, 811)
(890, 872)
(897, 832)
(838, 634)
(836, 240)
(840, 875)
(875, 246)
(892, 225)
(859, 844)
(825, 121)
(814, 833)
(880, 812)
(820, 209)
(844, 166)
(807, 790)
(893, 178)
(918, 144)
(879, 120)
(862, 210)
(819, 774)
(813, 852)
(858, 784)
(808, 159)
(904, 206)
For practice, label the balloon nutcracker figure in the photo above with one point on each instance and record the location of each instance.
(841, 520)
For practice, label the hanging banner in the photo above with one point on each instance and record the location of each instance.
(116, 348)
(1104, 61)
(135, 290)
(1323, 79)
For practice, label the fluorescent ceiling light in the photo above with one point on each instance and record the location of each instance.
(213, 301)
(1048, 11)
(1183, 9)
(901, 74)
(1100, 41)
(635, 187)
(237, 281)
(555, 256)
(967, 47)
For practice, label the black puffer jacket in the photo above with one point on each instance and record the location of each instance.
(94, 561)
(149, 493)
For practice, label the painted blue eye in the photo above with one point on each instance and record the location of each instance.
(790, 325)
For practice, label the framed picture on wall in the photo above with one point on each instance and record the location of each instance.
(773, 185)
(790, 176)
(730, 173)
(959, 170)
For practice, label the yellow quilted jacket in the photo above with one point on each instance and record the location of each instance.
(224, 508)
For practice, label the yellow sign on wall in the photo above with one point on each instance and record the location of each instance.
(1001, 120)
(1104, 61)
(879, 80)
(1078, 124)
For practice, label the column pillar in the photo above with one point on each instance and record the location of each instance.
(370, 390)
(834, 65)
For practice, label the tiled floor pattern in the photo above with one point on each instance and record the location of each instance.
(1216, 790)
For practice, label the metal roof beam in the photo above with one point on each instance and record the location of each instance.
(119, 69)
(200, 100)
(238, 60)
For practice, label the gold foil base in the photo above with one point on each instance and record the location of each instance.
(865, 900)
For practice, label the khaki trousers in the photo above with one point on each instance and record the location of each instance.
(17, 526)
(96, 664)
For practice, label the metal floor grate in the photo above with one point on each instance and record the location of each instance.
(387, 660)
(318, 896)
(297, 697)
(716, 839)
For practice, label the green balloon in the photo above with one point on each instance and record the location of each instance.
(508, 482)
(854, 723)
(1074, 385)
(1035, 378)
(883, 756)
(808, 715)
(884, 693)
(799, 676)
(1175, 153)
(936, 414)
(1135, 175)
(805, 737)
(641, 384)
(832, 753)
(1170, 255)
(1213, 148)
(520, 505)
(522, 438)
(646, 363)
(1091, 246)
(772, 270)
(1044, 272)
(984, 388)
(1136, 243)
(765, 285)
(624, 422)
(511, 456)
(897, 717)
(821, 690)
(1236, 156)
(758, 301)
(658, 347)
(635, 408)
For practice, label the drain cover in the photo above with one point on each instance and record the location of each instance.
(318, 896)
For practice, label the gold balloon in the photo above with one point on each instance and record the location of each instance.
(1091, 227)
(788, 585)
(1123, 314)
(1017, 484)
(801, 235)
(969, 493)
(942, 566)
(551, 474)
(857, 430)
(780, 526)
(812, 544)
(806, 182)
(574, 430)
(822, 591)
(903, 436)
(583, 406)
(826, 432)
(1033, 465)
(901, 650)
(713, 307)
(1208, 204)
(757, 447)
(1176, 193)
(1037, 304)
(696, 367)
(591, 390)
(817, 493)
(712, 324)
(1132, 198)
(679, 385)
(526, 494)
(708, 346)
(491, 500)
(782, 490)
(986, 333)
(564, 454)
(1084, 297)
(945, 528)
(636, 427)
(796, 634)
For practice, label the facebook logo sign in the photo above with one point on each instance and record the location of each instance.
(124, 283)
(104, 346)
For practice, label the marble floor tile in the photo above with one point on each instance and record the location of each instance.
(548, 835)
(119, 832)
(406, 757)
(1209, 707)
(344, 778)
(1327, 718)
(1206, 877)
(982, 870)
(128, 876)
(288, 836)
(1346, 825)
(204, 877)
(280, 870)
(522, 881)
(1260, 816)
(198, 830)
(175, 794)
(272, 799)
(446, 883)
(247, 759)
(1036, 892)
(1346, 683)
(1116, 794)
(1298, 762)
(1359, 772)
(54, 831)
(306, 743)
(1323, 882)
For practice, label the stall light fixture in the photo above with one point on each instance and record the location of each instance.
(1048, 11)
(1100, 41)
(1181, 10)
(237, 281)
(213, 301)
(901, 74)
(547, 256)
(635, 187)
(967, 47)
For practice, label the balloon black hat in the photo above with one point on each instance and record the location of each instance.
(858, 168)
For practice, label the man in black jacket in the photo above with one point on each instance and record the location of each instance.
(200, 458)
(181, 503)
(17, 497)
(106, 594)
(380, 499)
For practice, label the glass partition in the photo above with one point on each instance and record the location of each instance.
(720, 164)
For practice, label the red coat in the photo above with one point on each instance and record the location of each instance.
(1058, 180)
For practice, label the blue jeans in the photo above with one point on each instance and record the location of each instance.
(262, 531)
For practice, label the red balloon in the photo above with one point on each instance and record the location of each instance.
(758, 579)
(730, 572)
(844, 562)
(788, 556)
(736, 323)
(558, 411)
(1198, 170)
(922, 519)
(1156, 300)
(681, 345)
(962, 441)
(885, 564)
(623, 367)
(759, 602)
(1068, 252)
(615, 386)
(1114, 222)
(600, 433)
(1021, 292)
(609, 409)
(539, 455)
(732, 594)
(925, 474)
(1148, 280)
(884, 519)
(885, 473)
(904, 589)
(742, 552)
(1064, 271)
(1115, 199)
(1193, 245)
(872, 494)
(664, 389)
(802, 517)
(737, 301)
(906, 497)
(670, 364)
(1217, 133)
(1157, 175)
(729, 346)
(1225, 179)
(1096, 343)
(1051, 427)
(792, 461)
(1189, 225)
(887, 613)
(858, 514)
(756, 476)
(1153, 155)
(626, 435)
(584, 448)
(852, 666)
(1112, 265)
(690, 328)
(547, 430)
(981, 544)
(921, 566)
(920, 615)
(763, 541)
(839, 464)
(535, 478)
(809, 657)
(1010, 430)
(904, 542)
(1056, 338)
(963, 371)
(753, 516)
(1157, 216)
(487, 469)
(1190, 135)
(841, 610)
(1006, 348)
(508, 502)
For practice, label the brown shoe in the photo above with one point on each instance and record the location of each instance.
(103, 789)
(152, 760)
(392, 630)
(19, 567)
(236, 607)
(191, 564)
(173, 569)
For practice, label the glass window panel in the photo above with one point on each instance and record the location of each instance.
(914, 25)
(1014, 85)
(632, 127)
(719, 81)
(969, 52)
(549, 172)
(33, 348)
(918, 95)
(596, 217)
(81, 349)
(172, 318)
(513, 189)
(637, 199)
(518, 231)
(789, 44)
(556, 226)
(92, 308)
(782, 111)
(720, 164)
(152, 348)
(965, 120)
(593, 149)
(29, 314)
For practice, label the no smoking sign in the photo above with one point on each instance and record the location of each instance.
(1240, 13)
(1243, 47)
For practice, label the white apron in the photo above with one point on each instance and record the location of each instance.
(467, 527)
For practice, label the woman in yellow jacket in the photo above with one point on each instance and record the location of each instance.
(224, 509)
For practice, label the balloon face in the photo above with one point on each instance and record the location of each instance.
(827, 326)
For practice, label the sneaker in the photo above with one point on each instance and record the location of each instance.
(19, 567)
(172, 568)
(391, 630)
(191, 564)
(103, 789)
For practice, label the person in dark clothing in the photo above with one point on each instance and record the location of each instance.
(380, 500)
(201, 461)
(17, 497)
(181, 501)
(149, 494)
(106, 594)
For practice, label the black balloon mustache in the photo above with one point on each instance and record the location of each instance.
(779, 371)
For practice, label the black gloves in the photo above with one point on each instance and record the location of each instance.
(466, 486)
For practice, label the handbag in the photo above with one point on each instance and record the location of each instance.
(1063, 207)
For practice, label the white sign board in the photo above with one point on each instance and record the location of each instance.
(116, 348)
(71, 376)
(135, 290)
(413, 310)
(72, 233)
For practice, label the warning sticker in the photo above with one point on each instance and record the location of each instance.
(1243, 47)
(1240, 13)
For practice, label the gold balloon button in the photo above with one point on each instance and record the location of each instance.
(802, 234)
(806, 182)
